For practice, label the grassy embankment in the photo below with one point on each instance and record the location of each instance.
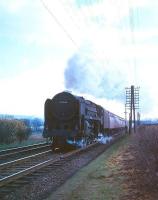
(96, 180)
(127, 170)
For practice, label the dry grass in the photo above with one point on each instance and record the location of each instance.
(146, 145)
(140, 165)
(126, 171)
(99, 180)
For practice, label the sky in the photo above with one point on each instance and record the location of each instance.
(93, 48)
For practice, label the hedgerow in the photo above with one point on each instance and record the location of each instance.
(12, 130)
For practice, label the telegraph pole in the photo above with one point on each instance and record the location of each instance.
(132, 104)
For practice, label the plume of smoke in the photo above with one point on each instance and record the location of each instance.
(84, 75)
(103, 80)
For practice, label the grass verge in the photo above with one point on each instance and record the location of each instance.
(99, 180)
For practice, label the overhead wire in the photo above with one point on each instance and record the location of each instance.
(105, 59)
(69, 14)
(96, 52)
(58, 22)
(133, 38)
(77, 25)
(88, 13)
(82, 18)
(122, 32)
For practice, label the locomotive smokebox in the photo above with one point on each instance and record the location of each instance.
(64, 106)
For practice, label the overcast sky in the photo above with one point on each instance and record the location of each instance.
(93, 48)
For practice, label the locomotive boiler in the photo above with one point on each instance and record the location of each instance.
(71, 119)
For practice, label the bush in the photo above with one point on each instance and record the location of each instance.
(22, 131)
(13, 130)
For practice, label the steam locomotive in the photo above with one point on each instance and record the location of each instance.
(71, 119)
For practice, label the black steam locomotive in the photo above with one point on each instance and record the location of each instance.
(74, 120)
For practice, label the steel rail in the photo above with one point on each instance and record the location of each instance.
(24, 172)
(24, 150)
(11, 178)
(22, 159)
(22, 147)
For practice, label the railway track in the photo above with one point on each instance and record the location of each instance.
(15, 153)
(14, 162)
(16, 169)
(11, 171)
(22, 171)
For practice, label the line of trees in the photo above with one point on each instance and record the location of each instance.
(16, 128)
(12, 130)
